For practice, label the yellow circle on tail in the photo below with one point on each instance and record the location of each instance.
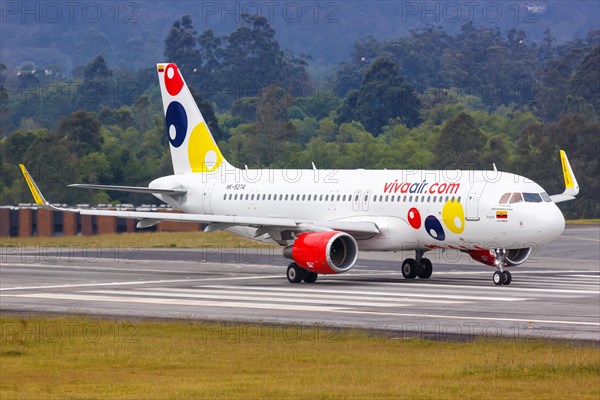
(453, 216)
(203, 153)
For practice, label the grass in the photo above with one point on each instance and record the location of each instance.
(142, 240)
(583, 221)
(68, 358)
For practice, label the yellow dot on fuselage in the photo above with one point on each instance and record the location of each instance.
(453, 216)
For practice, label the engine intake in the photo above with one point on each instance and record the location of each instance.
(513, 256)
(330, 252)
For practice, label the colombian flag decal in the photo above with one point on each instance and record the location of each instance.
(161, 68)
(501, 215)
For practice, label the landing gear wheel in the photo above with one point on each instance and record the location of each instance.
(409, 268)
(507, 278)
(310, 277)
(294, 273)
(498, 278)
(425, 270)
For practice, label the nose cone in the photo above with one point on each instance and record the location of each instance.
(552, 223)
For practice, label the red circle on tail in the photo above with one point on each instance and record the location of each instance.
(173, 80)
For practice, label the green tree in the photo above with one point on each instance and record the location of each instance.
(460, 144)
(586, 78)
(81, 132)
(383, 95)
(181, 48)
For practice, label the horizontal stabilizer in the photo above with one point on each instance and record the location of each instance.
(131, 189)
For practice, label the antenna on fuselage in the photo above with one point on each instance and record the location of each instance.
(494, 165)
(314, 166)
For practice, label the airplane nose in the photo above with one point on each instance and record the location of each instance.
(553, 223)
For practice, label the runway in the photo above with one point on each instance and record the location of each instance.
(556, 294)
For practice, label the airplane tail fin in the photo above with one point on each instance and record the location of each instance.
(193, 148)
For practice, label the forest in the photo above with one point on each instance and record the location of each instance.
(428, 99)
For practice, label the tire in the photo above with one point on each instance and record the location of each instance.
(310, 277)
(426, 269)
(409, 268)
(294, 273)
(507, 277)
(498, 278)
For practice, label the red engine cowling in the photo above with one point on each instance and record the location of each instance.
(513, 256)
(330, 252)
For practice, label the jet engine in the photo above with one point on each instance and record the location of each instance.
(330, 252)
(512, 257)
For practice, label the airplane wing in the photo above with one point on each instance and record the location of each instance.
(131, 189)
(265, 224)
(571, 185)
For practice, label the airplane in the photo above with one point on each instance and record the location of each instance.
(323, 218)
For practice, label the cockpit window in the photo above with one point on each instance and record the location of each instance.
(532, 197)
(516, 198)
(504, 198)
(545, 197)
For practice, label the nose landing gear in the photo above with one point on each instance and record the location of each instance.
(501, 277)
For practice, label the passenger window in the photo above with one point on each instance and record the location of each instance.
(321, 198)
(516, 198)
(252, 197)
(532, 197)
(247, 195)
(230, 196)
(504, 198)
(286, 197)
(386, 198)
(326, 197)
(344, 198)
(264, 197)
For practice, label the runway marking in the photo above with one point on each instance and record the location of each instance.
(288, 299)
(581, 238)
(274, 306)
(76, 285)
(363, 292)
(320, 295)
(178, 302)
(97, 268)
(505, 289)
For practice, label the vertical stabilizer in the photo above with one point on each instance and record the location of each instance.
(193, 148)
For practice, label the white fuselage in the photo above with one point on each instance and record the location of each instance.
(413, 209)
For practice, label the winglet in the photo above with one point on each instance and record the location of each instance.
(35, 191)
(571, 185)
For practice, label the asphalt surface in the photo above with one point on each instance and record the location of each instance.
(555, 294)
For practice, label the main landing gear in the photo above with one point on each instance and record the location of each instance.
(501, 277)
(295, 274)
(418, 266)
